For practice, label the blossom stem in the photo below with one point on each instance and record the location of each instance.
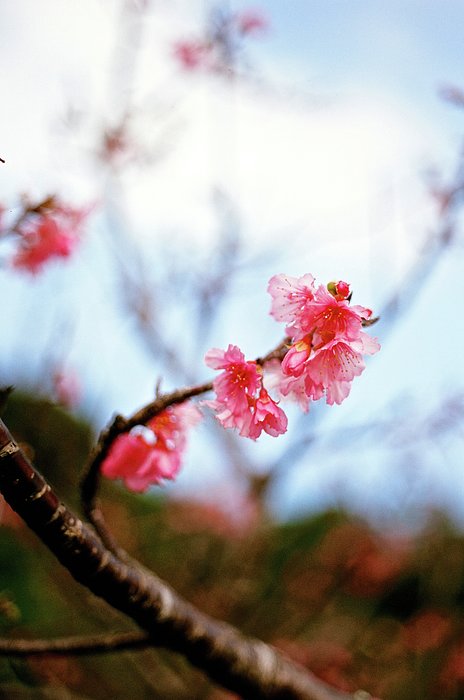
(76, 646)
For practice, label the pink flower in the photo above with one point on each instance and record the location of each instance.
(329, 318)
(251, 22)
(51, 231)
(44, 241)
(146, 456)
(268, 416)
(290, 297)
(294, 361)
(192, 54)
(328, 342)
(239, 381)
(292, 388)
(309, 310)
(333, 368)
(241, 400)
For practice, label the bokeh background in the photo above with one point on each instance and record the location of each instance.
(326, 138)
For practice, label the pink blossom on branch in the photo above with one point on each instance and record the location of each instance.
(192, 54)
(290, 297)
(42, 241)
(268, 416)
(241, 401)
(327, 340)
(147, 455)
(49, 231)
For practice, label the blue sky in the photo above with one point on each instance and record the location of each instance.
(324, 164)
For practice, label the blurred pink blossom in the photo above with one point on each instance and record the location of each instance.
(251, 22)
(192, 54)
(51, 231)
(217, 49)
(146, 456)
(43, 241)
(67, 388)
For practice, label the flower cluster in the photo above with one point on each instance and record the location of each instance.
(48, 230)
(242, 401)
(151, 453)
(325, 353)
(327, 340)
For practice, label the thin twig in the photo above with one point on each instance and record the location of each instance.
(74, 646)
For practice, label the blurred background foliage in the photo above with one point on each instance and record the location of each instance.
(359, 607)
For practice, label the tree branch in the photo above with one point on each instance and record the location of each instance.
(243, 665)
(89, 644)
(91, 477)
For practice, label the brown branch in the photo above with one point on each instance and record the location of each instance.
(67, 646)
(91, 477)
(243, 665)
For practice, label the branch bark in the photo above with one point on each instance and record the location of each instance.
(243, 665)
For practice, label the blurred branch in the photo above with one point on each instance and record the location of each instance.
(449, 198)
(214, 282)
(243, 665)
(89, 644)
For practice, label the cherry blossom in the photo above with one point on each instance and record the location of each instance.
(241, 401)
(251, 22)
(147, 455)
(290, 297)
(48, 231)
(327, 341)
(268, 416)
(43, 241)
(192, 54)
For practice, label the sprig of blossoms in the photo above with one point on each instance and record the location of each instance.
(50, 229)
(327, 340)
(241, 401)
(221, 45)
(148, 454)
(326, 351)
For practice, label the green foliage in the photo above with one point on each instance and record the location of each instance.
(57, 442)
